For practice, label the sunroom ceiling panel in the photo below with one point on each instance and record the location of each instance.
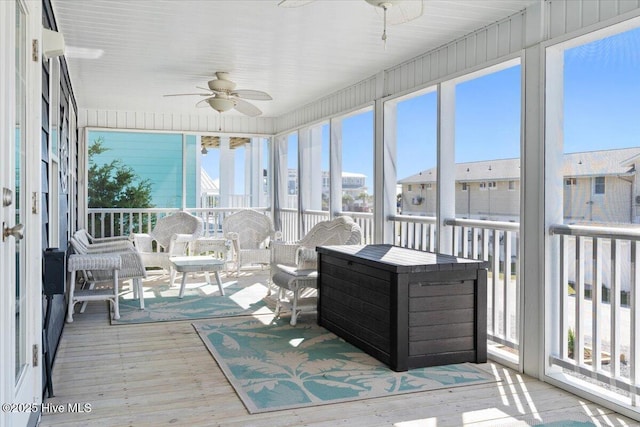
(152, 48)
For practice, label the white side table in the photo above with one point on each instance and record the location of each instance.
(93, 262)
(218, 245)
(189, 264)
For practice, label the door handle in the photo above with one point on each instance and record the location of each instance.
(16, 231)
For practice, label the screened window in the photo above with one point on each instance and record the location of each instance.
(598, 185)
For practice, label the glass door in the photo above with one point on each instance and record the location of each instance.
(20, 337)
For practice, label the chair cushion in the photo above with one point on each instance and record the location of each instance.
(292, 271)
(290, 277)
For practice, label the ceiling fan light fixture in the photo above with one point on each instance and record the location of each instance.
(221, 104)
(220, 85)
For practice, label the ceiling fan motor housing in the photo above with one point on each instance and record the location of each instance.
(220, 85)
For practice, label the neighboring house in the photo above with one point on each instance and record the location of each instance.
(209, 190)
(599, 186)
(353, 187)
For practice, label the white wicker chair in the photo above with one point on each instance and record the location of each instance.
(294, 264)
(172, 235)
(251, 234)
(131, 267)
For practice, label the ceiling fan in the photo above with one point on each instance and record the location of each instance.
(394, 11)
(223, 96)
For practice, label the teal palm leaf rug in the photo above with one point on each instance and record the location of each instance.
(202, 300)
(274, 366)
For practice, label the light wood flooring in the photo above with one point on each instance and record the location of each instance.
(161, 374)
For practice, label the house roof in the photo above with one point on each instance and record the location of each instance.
(591, 163)
(207, 184)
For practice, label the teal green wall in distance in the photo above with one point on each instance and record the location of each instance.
(192, 176)
(156, 157)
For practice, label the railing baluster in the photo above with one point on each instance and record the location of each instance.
(596, 303)
(509, 303)
(474, 243)
(564, 297)
(614, 302)
(495, 279)
(432, 237)
(578, 352)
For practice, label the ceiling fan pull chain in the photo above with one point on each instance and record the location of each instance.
(384, 31)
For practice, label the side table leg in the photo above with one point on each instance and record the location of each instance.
(183, 284)
(217, 273)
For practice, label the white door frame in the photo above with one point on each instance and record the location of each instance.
(25, 395)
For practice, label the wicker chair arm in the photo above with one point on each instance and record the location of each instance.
(183, 238)
(306, 258)
(78, 262)
(142, 241)
(284, 253)
(108, 239)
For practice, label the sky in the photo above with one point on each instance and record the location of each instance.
(601, 111)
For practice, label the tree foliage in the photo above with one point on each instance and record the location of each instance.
(114, 184)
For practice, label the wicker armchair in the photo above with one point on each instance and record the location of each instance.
(251, 234)
(171, 235)
(294, 264)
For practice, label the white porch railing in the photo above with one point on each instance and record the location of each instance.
(415, 232)
(598, 301)
(289, 218)
(121, 222)
(496, 242)
(477, 239)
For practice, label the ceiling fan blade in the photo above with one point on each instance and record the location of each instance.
(246, 108)
(188, 94)
(203, 103)
(258, 95)
(293, 3)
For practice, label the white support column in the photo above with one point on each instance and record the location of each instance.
(83, 179)
(543, 192)
(335, 167)
(198, 171)
(253, 171)
(183, 202)
(446, 185)
(310, 172)
(390, 176)
(379, 218)
(262, 148)
(305, 161)
(227, 170)
(280, 169)
(314, 169)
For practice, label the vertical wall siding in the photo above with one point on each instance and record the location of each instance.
(350, 98)
(569, 16)
(214, 122)
(488, 44)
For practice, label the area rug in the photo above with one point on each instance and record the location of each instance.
(274, 366)
(201, 301)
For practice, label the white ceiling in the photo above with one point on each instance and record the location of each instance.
(297, 55)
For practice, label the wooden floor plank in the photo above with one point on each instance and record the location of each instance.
(161, 374)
